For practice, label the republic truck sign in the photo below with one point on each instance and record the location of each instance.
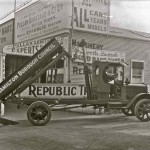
(55, 91)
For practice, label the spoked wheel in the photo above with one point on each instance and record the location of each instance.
(128, 111)
(39, 113)
(142, 110)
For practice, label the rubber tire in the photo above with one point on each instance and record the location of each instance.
(43, 105)
(136, 110)
(126, 113)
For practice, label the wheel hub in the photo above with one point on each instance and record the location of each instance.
(39, 113)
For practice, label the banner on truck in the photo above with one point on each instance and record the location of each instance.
(55, 91)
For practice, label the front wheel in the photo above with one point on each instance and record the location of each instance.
(142, 110)
(39, 113)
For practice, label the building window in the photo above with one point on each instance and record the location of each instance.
(55, 74)
(137, 71)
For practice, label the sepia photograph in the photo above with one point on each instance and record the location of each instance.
(74, 74)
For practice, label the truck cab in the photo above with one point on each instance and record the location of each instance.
(108, 82)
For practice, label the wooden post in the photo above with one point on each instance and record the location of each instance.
(86, 70)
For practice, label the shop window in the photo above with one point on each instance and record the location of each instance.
(56, 73)
(12, 62)
(137, 71)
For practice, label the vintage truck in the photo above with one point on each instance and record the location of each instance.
(111, 94)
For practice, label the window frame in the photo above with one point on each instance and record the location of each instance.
(142, 72)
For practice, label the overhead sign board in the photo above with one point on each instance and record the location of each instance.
(29, 48)
(97, 55)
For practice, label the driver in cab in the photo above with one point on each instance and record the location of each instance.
(107, 77)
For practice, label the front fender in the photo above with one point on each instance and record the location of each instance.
(138, 97)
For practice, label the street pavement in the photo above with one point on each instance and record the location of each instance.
(75, 131)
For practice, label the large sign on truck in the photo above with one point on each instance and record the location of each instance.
(29, 68)
(55, 91)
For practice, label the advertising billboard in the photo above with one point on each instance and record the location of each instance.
(40, 18)
(44, 17)
(91, 15)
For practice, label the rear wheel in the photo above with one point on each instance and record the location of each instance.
(128, 111)
(142, 110)
(39, 113)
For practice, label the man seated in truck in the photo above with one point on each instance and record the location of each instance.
(107, 77)
(110, 79)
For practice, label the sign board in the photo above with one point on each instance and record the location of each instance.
(29, 48)
(46, 16)
(6, 34)
(91, 15)
(94, 54)
(55, 91)
(40, 18)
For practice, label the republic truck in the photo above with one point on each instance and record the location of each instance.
(113, 94)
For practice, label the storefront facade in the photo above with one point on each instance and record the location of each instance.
(134, 45)
(37, 24)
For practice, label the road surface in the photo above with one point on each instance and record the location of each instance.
(77, 131)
